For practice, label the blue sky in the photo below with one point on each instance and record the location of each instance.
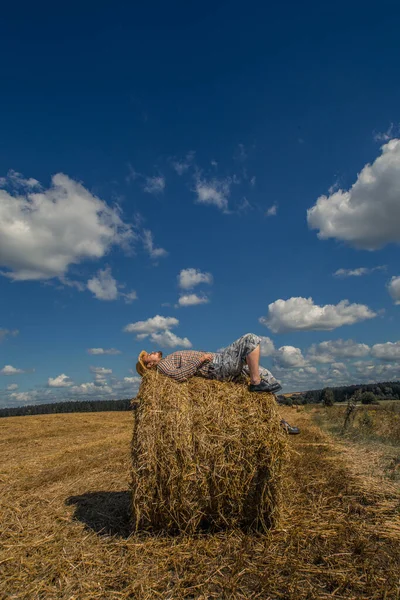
(175, 175)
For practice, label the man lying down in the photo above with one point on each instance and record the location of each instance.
(240, 357)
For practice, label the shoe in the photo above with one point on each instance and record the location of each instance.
(289, 428)
(263, 386)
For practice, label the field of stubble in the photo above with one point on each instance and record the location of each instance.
(65, 530)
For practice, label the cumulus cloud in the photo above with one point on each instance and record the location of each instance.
(192, 300)
(4, 333)
(100, 371)
(167, 339)
(103, 286)
(17, 180)
(289, 356)
(42, 233)
(60, 381)
(328, 352)
(189, 278)
(368, 214)
(370, 373)
(149, 246)
(357, 272)
(389, 351)
(128, 297)
(103, 351)
(394, 289)
(89, 389)
(158, 330)
(267, 347)
(152, 325)
(12, 387)
(9, 370)
(154, 185)
(214, 191)
(272, 210)
(24, 396)
(301, 314)
(184, 164)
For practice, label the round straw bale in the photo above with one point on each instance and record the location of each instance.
(205, 454)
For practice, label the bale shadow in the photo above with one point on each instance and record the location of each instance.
(105, 513)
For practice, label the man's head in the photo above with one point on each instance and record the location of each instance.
(147, 360)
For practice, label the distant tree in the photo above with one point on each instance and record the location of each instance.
(328, 398)
(368, 398)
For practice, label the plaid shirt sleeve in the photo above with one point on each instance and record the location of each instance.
(180, 366)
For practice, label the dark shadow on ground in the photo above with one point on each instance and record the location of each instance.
(106, 513)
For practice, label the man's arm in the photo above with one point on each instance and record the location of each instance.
(184, 370)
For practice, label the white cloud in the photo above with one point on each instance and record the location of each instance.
(253, 181)
(132, 380)
(101, 371)
(357, 272)
(60, 381)
(103, 351)
(89, 388)
(16, 180)
(154, 185)
(103, 286)
(167, 339)
(267, 347)
(4, 333)
(158, 328)
(129, 297)
(391, 132)
(370, 373)
(12, 387)
(394, 289)
(192, 300)
(368, 215)
(189, 278)
(301, 314)
(9, 370)
(289, 356)
(327, 352)
(23, 396)
(388, 351)
(43, 233)
(182, 165)
(149, 246)
(272, 210)
(214, 191)
(152, 325)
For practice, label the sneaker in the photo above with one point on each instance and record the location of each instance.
(289, 428)
(263, 386)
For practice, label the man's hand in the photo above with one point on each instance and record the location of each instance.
(207, 357)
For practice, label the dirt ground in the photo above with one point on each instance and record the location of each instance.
(65, 530)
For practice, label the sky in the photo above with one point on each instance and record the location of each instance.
(175, 175)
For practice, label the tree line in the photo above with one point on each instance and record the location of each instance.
(67, 407)
(387, 390)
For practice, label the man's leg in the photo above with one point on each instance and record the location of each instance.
(244, 354)
(253, 363)
(229, 363)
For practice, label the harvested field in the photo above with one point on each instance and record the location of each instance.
(65, 530)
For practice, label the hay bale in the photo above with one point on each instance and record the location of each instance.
(205, 454)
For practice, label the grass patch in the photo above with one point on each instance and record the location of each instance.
(377, 426)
